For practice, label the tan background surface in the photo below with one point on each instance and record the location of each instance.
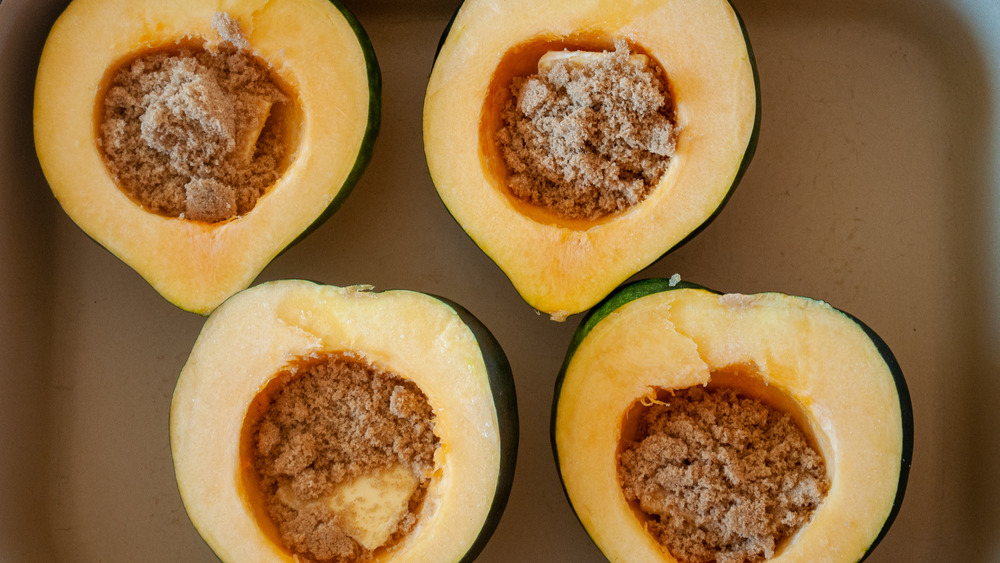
(875, 187)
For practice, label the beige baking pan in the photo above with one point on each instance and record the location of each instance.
(876, 187)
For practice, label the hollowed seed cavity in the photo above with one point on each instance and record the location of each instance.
(716, 475)
(194, 132)
(587, 134)
(338, 455)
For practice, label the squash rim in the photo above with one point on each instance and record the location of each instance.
(495, 374)
(197, 265)
(563, 297)
(639, 289)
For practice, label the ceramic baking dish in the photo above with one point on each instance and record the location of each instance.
(876, 187)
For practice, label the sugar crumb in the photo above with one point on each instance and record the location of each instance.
(186, 132)
(338, 419)
(722, 477)
(588, 139)
(229, 30)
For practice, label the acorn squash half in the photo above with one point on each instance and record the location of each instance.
(832, 374)
(564, 266)
(318, 53)
(438, 346)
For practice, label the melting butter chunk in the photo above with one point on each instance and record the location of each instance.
(585, 58)
(246, 142)
(369, 507)
(374, 504)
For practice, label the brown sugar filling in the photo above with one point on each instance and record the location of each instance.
(589, 136)
(721, 477)
(193, 132)
(339, 420)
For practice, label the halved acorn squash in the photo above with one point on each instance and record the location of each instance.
(263, 332)
(564, 266)
(832, 374)
(318, 53)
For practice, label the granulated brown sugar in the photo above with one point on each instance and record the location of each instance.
(186, 133)
(588, 138)
(229, 30)
(340, 419)
(723, 478)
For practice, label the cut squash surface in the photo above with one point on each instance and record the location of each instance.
(260, 332)
(841, 382)
(564, 266)
(316, 50)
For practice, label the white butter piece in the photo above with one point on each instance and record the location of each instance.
(246, 143)
(584, 58)
(369, 507)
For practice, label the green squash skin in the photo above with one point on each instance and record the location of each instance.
(371, 133)
(366, 149)
(505, 401)
(749, 152)
(504, 396)
(751, 149)
(447, 30)
(906, 412)
(364, 155)
(642, 288)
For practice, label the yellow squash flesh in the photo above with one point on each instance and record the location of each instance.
(310, 46)
(260, 331)
(804, 349)
(564, 267)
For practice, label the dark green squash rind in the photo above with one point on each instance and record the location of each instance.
(365, 150)
(749, 152)
(504, 395)
(906, 412)
(505, 401)
(642, 288)
(447, 30)
(618, 298)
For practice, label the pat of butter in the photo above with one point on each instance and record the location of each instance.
(585, 58)
(246, 143)
(369, 507)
